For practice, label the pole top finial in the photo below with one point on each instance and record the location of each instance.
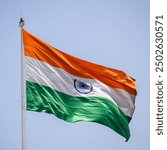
(21, 23)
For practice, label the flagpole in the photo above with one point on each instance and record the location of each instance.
(23, 119)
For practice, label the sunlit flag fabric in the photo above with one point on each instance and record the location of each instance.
(76, 90)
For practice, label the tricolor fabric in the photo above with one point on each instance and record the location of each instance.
(76, 90)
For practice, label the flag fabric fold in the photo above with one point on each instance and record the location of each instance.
(76, 90)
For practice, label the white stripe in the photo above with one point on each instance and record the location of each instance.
(60, 80)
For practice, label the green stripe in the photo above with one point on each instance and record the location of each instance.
(72, 109)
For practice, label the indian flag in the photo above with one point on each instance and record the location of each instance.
(76, 90)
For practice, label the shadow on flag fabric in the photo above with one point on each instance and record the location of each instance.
(76, 90)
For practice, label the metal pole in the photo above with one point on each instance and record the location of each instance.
(23, 119)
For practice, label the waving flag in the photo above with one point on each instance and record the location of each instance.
(76, 90)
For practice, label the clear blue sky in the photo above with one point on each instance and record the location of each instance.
(114, 33)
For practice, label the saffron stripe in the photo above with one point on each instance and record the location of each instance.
(38, 49)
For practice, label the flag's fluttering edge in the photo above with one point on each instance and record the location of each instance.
(76, 90)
